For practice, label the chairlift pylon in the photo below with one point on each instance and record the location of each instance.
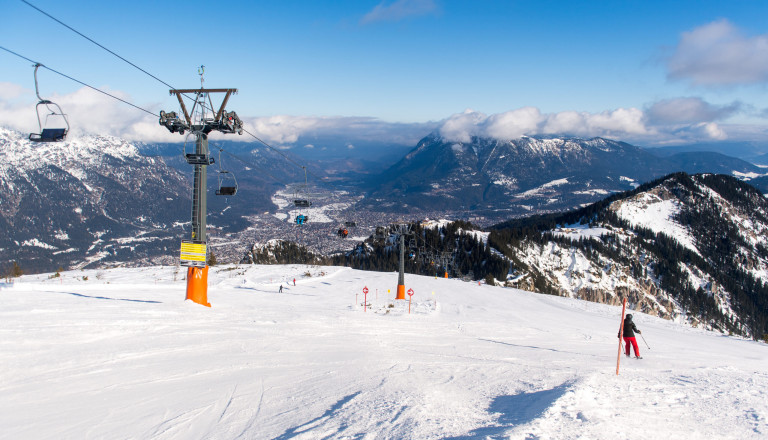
(48, 134)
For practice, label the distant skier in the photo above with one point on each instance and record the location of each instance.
(294, 282)
(281, 289)
(629, 336)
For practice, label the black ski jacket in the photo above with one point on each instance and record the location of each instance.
(630, 328)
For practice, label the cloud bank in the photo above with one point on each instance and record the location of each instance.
(669, 121)
(718, 54)
(678, 120)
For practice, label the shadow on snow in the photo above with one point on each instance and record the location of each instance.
(516, 410)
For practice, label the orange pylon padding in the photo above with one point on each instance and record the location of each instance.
(446, 274)
(197, 285)
(400, 291)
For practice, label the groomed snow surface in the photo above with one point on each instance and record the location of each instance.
(121, 355)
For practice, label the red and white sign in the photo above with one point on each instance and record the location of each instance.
(410, 292)
(365, 289)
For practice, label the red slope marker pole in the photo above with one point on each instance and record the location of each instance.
(621, 330)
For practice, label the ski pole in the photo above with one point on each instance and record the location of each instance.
(646, 344)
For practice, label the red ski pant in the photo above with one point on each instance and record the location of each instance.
(632, 340)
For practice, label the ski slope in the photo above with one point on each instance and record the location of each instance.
(121, 355)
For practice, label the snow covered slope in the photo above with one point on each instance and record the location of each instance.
(85, 200)
(119, 354)
(687, 248)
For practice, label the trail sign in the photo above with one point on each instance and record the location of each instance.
(410, 292)
(365, 289)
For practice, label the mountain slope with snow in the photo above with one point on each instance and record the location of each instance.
(85, 200)
(118, 354)
(687, 248)
(505, 178)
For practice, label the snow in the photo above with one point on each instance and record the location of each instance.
(37, 243)
(119, 354)
(746, 176)
(538, 190)
(650, 211)
(577, 231)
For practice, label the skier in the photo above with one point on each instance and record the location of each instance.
(281, 289)
(629, 335)
(294, 281)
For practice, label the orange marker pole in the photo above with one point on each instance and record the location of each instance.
(621, 330)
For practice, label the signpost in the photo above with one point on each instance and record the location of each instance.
(365, 301)
(410, 296)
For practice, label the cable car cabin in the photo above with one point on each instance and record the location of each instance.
(350, 224)
(49, 135)
(302, 203)
(342, 232)
(301, 219)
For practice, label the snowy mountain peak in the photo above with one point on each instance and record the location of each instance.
(87, 150)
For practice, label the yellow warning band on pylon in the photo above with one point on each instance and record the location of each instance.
(193, 252)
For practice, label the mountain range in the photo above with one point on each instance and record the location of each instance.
(95, 198)
(100, 200)
(499, 178)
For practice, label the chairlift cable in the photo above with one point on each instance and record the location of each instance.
(80, 82)
(151, 75)
(283, 154)
(253, 165)
(101, 46)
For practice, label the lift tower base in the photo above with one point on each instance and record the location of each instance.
(197, 285)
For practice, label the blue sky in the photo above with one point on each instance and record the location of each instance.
(648, 72)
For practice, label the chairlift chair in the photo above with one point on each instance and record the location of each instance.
(48, 134)
(350, 224)
(192, 156)
(227, 184)
(227, 181)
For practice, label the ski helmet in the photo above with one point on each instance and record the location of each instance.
(629, 316)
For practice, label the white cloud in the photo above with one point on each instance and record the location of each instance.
(719, 54)
(399, 9)
(530, 121)
(286, 129)
(689, 110)
(87, 111)
(9, 91)
(713, 131)
(673, 120)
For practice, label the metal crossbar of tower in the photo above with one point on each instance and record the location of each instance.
(199, 123)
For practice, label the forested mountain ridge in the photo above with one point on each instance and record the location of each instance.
(691, 248)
